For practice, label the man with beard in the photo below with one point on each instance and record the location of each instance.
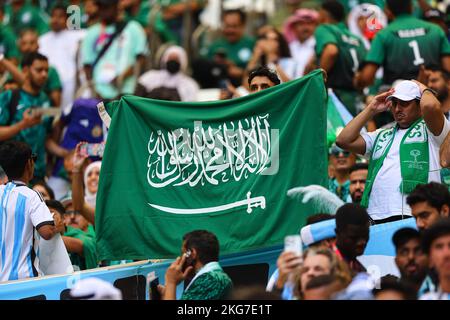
(234, 49)
(410, 259)
(436, 243)
(403, 156)
(358, 176)
(20, 111)
(198, 263)
(341, 161)
(439, 81)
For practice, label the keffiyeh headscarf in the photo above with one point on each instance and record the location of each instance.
(88, 196)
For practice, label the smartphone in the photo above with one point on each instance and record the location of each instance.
(152, 283)
(222, 54)
(293, 243)
(223, 84)
(51, 112)
(187, 261)
(93, 149)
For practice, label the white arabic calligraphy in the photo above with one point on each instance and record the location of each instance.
(232, 151)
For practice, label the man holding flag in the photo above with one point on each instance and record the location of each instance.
(222, 166)
(400, 157)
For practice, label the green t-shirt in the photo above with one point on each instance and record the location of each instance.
(142, 15)
(53, 81)
(404, 45)
(351, 53)
(89, 258)
(239, 52)
(8, 43)
(35, 136)
(28, 17)
(121, 55)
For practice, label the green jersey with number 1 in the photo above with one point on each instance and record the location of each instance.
(404, 45)
(351, 53)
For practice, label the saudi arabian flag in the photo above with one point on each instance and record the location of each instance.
(225, 166)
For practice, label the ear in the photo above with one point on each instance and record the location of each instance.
(194, 253)
(445, 211)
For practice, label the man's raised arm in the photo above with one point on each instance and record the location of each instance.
(445, 152)
(350, 139)
(431, 110)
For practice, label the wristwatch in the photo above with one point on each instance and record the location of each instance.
(431, 90)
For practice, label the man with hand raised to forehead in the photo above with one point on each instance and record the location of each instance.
(403, 156)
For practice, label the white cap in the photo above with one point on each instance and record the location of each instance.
(95, 289)
(406, 91)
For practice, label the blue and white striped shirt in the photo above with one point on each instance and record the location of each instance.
(22, 210)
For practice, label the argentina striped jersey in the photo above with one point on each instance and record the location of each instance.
(22, 211)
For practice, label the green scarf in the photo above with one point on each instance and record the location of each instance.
(414, 158)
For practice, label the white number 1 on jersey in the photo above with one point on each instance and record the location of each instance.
(418, 60)
(354, 55)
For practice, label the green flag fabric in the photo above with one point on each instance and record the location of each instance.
(224, 166)
(335, 123)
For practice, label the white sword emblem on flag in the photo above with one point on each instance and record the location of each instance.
(249, 202)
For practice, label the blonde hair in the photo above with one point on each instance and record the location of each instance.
(338, 269)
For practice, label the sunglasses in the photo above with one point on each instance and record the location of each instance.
(69, 212)
(337, 153)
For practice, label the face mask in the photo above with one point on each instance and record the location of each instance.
(173, 66)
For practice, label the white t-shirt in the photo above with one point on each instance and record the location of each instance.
(61, 50)
(22, 210)
(302, 53)
(386, 200)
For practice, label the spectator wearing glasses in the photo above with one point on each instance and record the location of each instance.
(24, 211)
(341, 162)
(402, 156)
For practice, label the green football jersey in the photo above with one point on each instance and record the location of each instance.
(35, 136)
(404, 45)
(351, 53)
(53, 81)
(239, 52)
(8, 43)
(28, 17)
(89, 258)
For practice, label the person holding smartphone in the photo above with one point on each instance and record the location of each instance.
(19, 119)
(200, 261)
